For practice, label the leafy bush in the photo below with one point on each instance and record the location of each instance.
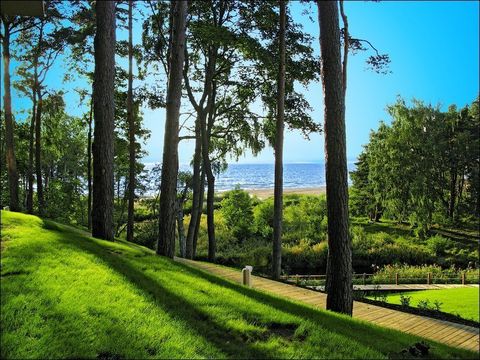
(381, 249)
(304, 258)
(304, 219)
(424, 304)
(405, 300)
(437, 305)
(236, 208)
(409, 273)
(263, 218)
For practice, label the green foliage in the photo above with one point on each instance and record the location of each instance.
(405, 300)
(236, 208)
(409, 273)
(424, 304)
(305, 258)
(303, 219)
(263, 218)
(379, 249)
(152, 307)
(463, 302)
(437, 305)
(436, 180)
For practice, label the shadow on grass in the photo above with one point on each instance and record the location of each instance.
(231, 341)
(228, 340)
(397, 230)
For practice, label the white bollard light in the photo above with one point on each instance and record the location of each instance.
(246, 275)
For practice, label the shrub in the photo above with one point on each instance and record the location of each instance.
(409, 273)
(438, 245)
(424, 304)
(236, 208)
(304, 258)
(263, 218)
(381, 249)
(437, 305)
(405, 300)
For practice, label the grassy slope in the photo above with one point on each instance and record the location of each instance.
(460, 301)
(67, 295)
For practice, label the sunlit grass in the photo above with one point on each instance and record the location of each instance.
(463, 302)
(66, 295)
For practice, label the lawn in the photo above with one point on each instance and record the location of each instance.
(67, 295)
(463, 302)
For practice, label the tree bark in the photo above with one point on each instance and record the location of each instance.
(339, 261)
(104, 107)
(168, 192)
(453, 190)
(180, 228)
(89, 167)
(200, 212)
(212, 242)
(38, 153)
(30, 153)
(207, 165)
(278, 187)
(11, 160)
(131, 128)
(196, 184)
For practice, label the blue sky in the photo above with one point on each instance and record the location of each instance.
(434, 49)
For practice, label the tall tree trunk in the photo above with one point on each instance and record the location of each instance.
(180, 228)
(278, 190)
(207, 166)
(212, 244)
(38, 154)
(131, 129)
(181, 231)
(89, 167)
(453, 191)
(104, 108)
(30, 153)
(196, 185)
(11, 160)
(168, 192)
(339, 261)
(205, 134)
(196, 230)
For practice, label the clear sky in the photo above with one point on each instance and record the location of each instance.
(434, 49)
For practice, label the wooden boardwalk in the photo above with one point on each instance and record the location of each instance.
(401, 287)
(449, 333)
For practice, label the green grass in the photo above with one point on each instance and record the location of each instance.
(67, 295)
(463, 302)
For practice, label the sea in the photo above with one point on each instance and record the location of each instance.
(261, 176)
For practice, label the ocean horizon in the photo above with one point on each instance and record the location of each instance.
(296, 175)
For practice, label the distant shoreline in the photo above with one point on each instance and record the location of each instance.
(268, 192)
(265, 193)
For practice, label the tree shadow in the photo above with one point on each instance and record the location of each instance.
(228, 340)
(231, 341)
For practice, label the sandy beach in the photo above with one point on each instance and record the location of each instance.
(266, 193)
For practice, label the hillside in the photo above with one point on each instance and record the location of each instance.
(67, 295)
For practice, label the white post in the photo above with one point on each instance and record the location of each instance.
(246, 275)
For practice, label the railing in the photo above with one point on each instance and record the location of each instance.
(374, 279)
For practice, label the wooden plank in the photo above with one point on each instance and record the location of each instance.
(383, 319)
(472, 343)
(451, 337)
(442, 331)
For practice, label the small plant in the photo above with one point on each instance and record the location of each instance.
(437, 304)
(424, 304)
(376, 292)
(405, 300)
(382, 297)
